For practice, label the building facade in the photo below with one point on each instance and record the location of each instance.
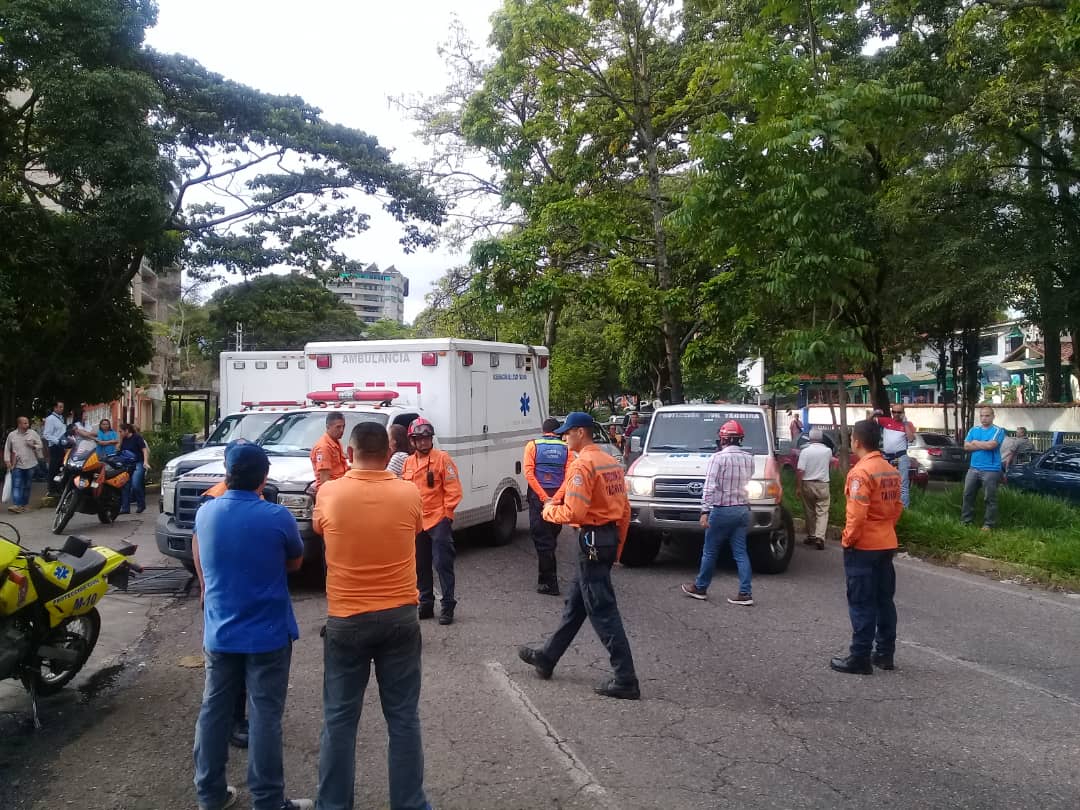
(373, 294)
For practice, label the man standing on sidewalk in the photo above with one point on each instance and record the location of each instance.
(369, 520)
(53, 433)
(436, 477)
(243, 549)
(595, 501)
(984, 443)
(22, 450)
(812, 485)
(545, 464)
(869, 540)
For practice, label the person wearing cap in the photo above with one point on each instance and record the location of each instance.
(545, 464)
(725, 513)
(327, 456)
(369, 520)
(812, 485)
(436, 476)
(244, 548)
(869, 540)
(593, 498)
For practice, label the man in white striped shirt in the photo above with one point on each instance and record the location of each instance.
(725, 513)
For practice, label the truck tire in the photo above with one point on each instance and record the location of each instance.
(771, 553)
(641, 548)
(502, 528)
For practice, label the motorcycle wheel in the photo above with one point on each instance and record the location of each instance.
(110, 514)
(65, 509)
(78, 633)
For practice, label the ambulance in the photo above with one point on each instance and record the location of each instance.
(261, 379)
(484, 399)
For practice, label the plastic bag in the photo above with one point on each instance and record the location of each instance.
(6, 497)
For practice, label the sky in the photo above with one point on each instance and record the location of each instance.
(347, 57)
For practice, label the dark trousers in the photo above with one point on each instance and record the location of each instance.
(435, 546)
(56, 458)
(592, 596)
(871, 586)
(389, 640)
(545, 537)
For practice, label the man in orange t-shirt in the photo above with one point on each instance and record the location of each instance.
(369, 520)
(327, 456)
(436, 477)
(593, 499)
(869, 539)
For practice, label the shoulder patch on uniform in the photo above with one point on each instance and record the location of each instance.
(855, 484)
(319, 456)
(578, 480)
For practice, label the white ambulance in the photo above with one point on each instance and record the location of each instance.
(261, 379)
(485, 400)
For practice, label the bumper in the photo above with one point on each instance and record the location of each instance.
(175, 541)
(682, 517)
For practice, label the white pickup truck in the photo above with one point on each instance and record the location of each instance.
(666, 482)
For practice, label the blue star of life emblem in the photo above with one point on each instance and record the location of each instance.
(525, 404)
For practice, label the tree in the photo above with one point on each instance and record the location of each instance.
(106, 150)
(277, 312)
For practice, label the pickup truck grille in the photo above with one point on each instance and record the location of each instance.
(679, 489)
(189, 496)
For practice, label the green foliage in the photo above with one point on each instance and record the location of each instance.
(277, 312)
(164, 444)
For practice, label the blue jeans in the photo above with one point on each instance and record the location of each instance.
(435, 546)
(391, 640)
(592, 596)
(871, 586)
(20, 485)
(726, 524)
(134, 487)
(267, 678)
(903, 466)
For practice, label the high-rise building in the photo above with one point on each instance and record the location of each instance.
(373, 294)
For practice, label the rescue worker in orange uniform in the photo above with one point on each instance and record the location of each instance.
(593, 498)
(546, 462)
(869, 540)
(328, 456)
(436, 476)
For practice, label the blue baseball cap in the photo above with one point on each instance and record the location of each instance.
(575, 420)
(243, 456)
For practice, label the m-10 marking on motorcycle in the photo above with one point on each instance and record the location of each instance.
(369, 358)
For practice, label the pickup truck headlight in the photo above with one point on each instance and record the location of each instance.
(763, 490)
(298, 505)
(640, 485)
(168, 475)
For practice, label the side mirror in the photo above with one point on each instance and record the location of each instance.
(635, 444)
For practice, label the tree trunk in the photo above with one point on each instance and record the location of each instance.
(845, 444)
(551, 326)
(1051, 329)
(971, 374)
(874, 371)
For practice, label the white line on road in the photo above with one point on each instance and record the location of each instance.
(992, 673)
(572, 766)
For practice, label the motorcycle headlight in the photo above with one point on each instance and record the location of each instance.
(640, 485)
(299, 505)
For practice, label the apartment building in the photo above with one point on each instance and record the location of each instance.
(373, 294)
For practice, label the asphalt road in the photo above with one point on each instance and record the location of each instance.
(739, 707)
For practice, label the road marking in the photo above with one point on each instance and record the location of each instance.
(992, 673)
(572, 766)
(917, 564)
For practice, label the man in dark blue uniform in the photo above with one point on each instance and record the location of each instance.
(545, 464)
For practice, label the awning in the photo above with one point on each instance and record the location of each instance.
(918, 378)
(1023, 365)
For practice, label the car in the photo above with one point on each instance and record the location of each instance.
(939, 455)
(1055, 472)
(665, 484)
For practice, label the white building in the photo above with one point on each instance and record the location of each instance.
(373, 294)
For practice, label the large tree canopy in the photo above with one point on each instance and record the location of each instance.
(112, 155)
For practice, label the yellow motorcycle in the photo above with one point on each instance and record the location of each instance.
(49, 621)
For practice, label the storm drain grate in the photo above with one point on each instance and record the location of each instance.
(163, 580)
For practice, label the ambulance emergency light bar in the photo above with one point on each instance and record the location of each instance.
(354, 395)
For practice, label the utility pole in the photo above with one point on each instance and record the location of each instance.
(239, 336)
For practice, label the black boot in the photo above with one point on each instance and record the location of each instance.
(622, 691)
(882, 661)
(537, 660)
(547, 579)
(852, 665)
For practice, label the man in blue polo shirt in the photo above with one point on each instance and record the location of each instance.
(984, 444)
(244, 547)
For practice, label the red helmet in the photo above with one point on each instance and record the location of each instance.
(731, 430)
(421, 427)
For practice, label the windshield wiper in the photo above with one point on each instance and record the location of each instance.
(668, 447)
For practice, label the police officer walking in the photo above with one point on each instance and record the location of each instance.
(593, 498)
(546, 461)
(869, 540)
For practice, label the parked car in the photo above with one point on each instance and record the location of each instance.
(1056, 472)
(939, 455)
(789, 459)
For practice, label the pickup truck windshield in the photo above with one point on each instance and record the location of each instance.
(294, 434)
(695, 431)
(248, 426)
